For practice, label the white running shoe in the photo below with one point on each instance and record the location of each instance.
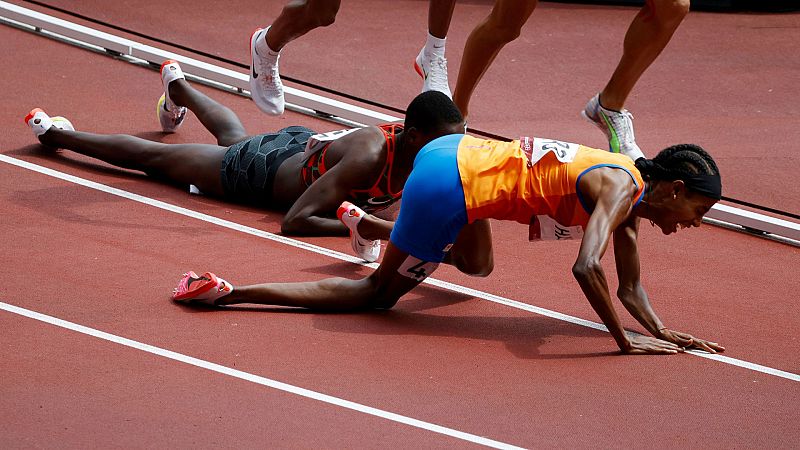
(170, 115)
(433, 70)
(40, 122)
(616, 125)
(351, 215)
(266, 87)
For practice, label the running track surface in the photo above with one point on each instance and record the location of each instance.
(446, 358)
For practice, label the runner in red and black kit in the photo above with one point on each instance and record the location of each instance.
(375, 198)
(280, 171)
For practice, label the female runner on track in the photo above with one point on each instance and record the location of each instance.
(562, 190)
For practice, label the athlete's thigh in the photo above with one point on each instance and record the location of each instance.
(197, 164)
(513, 12)
(472, 253)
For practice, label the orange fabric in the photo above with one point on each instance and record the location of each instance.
(499, 184)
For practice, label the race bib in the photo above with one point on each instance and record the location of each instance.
(536, 148)
(544, 228)
(317, 141)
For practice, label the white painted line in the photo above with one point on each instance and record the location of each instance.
(746, 365)
(344, 257)
(256, 379)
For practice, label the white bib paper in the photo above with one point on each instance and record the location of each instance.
(544, 228)
(536, 148)
(317, 141)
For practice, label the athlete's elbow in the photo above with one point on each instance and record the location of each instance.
(294, 226)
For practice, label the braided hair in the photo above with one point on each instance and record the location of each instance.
(688, 163)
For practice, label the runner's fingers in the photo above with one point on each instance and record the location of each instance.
(681, 339)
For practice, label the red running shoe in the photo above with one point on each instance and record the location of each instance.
(206, 289)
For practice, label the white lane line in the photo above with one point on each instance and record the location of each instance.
(256, 379)
(345, 257)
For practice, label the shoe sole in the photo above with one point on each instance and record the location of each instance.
(418, 68)
(253, 49)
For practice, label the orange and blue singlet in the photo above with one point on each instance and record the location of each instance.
(458, 179)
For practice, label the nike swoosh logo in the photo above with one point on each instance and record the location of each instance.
(253, 67)
(379, 201)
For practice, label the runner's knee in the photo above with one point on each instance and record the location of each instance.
(503, 30)
(321, 13)
(474, 267)
(667, 11)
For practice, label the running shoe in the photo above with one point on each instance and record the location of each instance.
(433, 70)
(205, 289)
(266, 87)
(616, 125)
(40, 122)
(351, 215)
(170, 115)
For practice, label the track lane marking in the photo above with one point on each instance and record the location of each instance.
(325, 398)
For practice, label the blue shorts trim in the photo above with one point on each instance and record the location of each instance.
(433, 209)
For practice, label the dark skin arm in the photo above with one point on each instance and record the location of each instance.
(610, 191)
(356, 160)
(633, 296)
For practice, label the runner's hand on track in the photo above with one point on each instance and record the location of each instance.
(686, 340)
(641, 345)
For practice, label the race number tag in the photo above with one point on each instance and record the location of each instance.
(318, 141)
(416, 268)
(544, 228)
(536, 148)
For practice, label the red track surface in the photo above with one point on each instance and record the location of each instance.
(447, 358)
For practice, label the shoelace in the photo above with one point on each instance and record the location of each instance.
(271, 78)
(437, 76)
(623, 121)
